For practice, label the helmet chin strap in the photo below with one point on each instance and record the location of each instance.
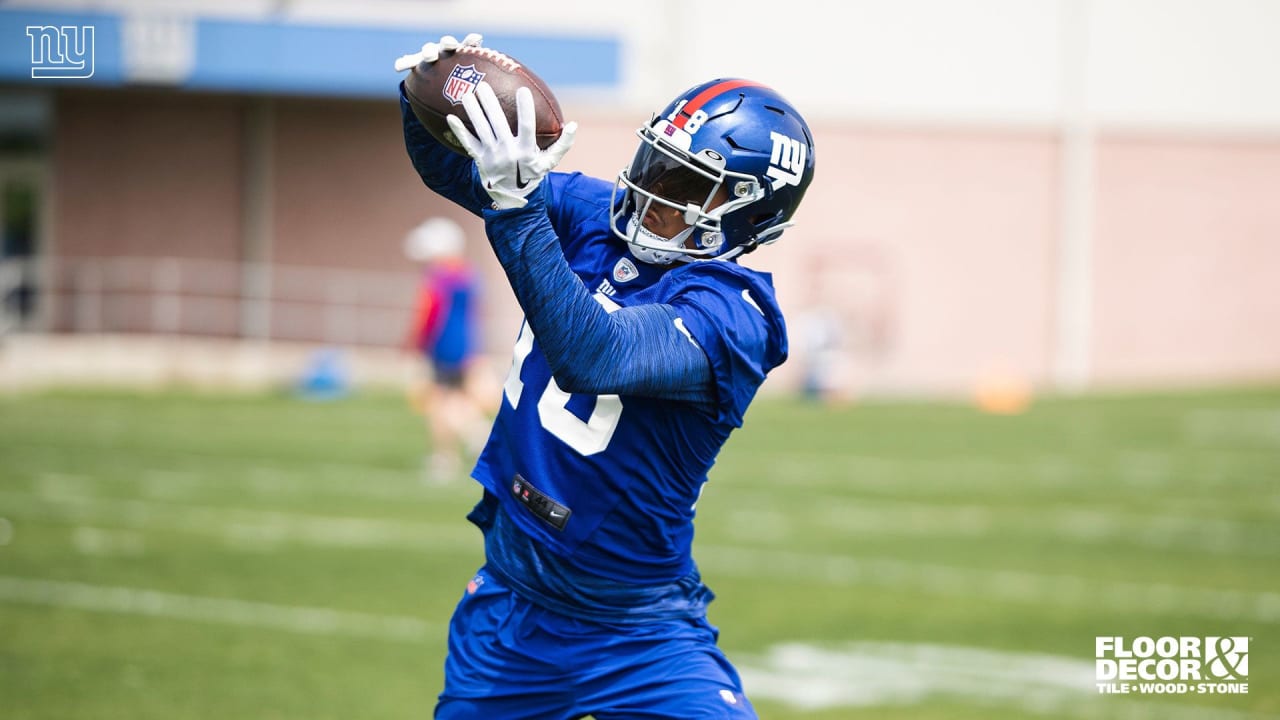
(652, 255)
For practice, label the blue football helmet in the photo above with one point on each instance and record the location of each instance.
(732, 157)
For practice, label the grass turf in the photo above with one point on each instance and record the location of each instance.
(184, 555)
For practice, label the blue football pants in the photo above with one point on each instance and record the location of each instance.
(512, 660)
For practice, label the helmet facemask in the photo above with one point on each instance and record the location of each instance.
(665, 178)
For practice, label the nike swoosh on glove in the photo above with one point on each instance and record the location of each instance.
(510, 165)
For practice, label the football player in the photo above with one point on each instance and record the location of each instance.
(443, 335)
(643, 343)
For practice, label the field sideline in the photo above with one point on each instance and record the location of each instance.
(183, 555)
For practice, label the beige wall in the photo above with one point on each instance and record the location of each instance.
(1187, 259)
(952, 230)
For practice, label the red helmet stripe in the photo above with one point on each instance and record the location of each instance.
(707, 95)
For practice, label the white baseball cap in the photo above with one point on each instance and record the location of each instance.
(436, 238)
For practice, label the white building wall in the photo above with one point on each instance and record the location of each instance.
(1206, 63)
(1149, 62)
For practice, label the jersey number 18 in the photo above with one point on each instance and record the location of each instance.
(587, 437)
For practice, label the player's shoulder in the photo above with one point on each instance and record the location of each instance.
(578, 207)
(730, 300)
(578, 189)
(732, 313)
(730, 279)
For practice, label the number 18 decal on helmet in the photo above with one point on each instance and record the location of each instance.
(730, 158)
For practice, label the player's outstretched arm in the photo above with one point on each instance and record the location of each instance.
(449, 174)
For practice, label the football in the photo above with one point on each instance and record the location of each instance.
(436, 89)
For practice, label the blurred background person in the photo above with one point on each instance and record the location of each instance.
(451, 391)
(825, 359)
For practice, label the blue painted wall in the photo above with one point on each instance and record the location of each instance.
(297, 58)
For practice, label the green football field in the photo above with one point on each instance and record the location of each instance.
(182, 555)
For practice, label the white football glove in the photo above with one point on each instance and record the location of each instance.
(431, 51)
(511, 166)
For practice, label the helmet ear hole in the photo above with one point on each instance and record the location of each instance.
(763, 221)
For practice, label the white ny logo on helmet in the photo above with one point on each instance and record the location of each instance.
(786, 162)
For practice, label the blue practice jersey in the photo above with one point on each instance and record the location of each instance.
(606, 486)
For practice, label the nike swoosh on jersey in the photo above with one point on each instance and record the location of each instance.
(746, 295)
(679, 323)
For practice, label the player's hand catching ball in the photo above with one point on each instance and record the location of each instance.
(430, 52)
(511, 165)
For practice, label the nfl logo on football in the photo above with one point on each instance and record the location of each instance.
(1172, 665)
(461, 82)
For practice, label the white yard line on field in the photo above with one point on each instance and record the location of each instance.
(1082, 524)
(1003, 585)
(222, 611)
(264, 481)
(1251, 427)
(107, 543)
(267, 482)
(243, 528)
(867, 674)
(1140, 469)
